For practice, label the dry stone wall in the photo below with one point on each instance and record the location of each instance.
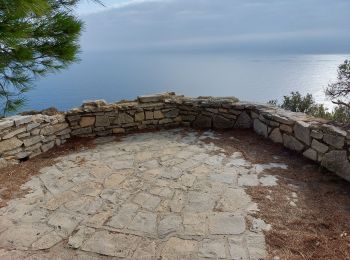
(315, 139)
(23, 137)
(99, 118)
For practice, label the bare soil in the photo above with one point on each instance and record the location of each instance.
(318, 227)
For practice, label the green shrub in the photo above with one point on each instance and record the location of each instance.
(306, 104)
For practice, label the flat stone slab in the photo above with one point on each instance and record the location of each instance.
(226, 224)
(161, 195)
(106, 243)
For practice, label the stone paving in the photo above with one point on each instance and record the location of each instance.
(161, 195)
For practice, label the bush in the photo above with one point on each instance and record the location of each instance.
(306, 104)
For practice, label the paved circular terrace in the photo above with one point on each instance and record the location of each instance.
(161, 195)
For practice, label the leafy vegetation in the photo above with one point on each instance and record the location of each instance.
(338, 93)
(306, 104)
(36, 37)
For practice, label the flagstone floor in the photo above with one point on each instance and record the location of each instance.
(160, 195)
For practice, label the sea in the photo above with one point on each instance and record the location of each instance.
(113, 76)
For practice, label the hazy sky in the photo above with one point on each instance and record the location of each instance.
(281, 26)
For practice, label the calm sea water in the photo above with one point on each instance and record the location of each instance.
(114, 76)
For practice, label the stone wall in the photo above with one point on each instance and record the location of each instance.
(99, 118)
(23, 137)
(314, 138)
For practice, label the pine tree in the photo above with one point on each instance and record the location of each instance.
(339, 92)
(36, 37)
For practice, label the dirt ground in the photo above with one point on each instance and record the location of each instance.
(313, 225)
(317, 226)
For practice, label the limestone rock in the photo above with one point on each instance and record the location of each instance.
(123, 118)
(23, 235)
(82, 131)
(276, 136)
(221, 122)
(202, 122)
(243, 121)
(282, 119)
(14, 133)
(183, 249)
(140, 116)
(51, 129)
(256, 246)
(169, 224)
(10, 144)
(150, 98)
(165, 121)
(102, 121)
(144, 222)
(149, 115)
(79, 237)
(237, 250)
(316, 134)
(260, 128)
(118, 130)
(310, 154)
(286, 128)
(302, 132)
(47, 241)
(292, 143)
(87, 121)
(95, 103)
(6, 123)
(337, 161)
(105, 243)
(172, 113)
(331, 129)
(64, 223)
(319, 147)
(336, 141)
(158, 114)
(212, 249)
(20, 120)
(47, 146)
(226, 224)
(31, 141)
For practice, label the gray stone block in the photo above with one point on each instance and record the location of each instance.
(6, 123)
(292, 143)
(123, 118)
(10, 144)
(276, 136)
(260, 128)
(243, 121)
(319, 147)
(302, 132)
(310, 154)
(220, 122)
(102, 121)
(338, 162)
(31, 141)
(336, 141)
(202, 122)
